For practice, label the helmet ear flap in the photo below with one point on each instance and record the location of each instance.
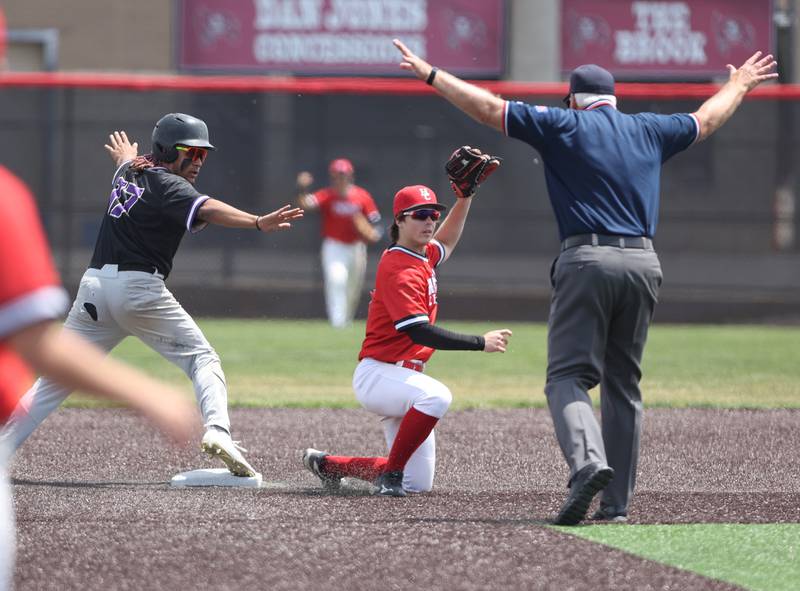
(165, 154)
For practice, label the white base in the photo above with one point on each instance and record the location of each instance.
(214, 477)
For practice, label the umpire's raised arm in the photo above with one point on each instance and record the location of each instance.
(478, 103)
(486, 108)
(718, 109)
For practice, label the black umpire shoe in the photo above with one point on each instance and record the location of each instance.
(390, 484)
(314, 460)
(586, 483)
(609, 515)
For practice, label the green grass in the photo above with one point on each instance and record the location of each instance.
(760, 557)
(308, 364)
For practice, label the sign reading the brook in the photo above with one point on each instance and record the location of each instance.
(340, 36)
(663, 39)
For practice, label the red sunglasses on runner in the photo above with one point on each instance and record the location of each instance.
(193, 153)
(424, 214)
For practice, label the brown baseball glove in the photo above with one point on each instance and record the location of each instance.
(467, 168)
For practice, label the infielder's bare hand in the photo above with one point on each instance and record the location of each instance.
(754, 71)
(496, 340)
(412, 62)
(120, 148)
(68, 359)
(280, 219)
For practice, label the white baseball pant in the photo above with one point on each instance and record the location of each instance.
(390, 391)
(139, 304)
(343, 266)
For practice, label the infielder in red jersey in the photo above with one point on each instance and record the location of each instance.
(401, 336)
(349, 223)
(31, 298)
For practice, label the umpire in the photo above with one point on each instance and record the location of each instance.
(602, 169)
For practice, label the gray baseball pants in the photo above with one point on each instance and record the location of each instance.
(110, 306)
(602, 303)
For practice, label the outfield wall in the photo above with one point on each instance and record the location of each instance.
(728, 235)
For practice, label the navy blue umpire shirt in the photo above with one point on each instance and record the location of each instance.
(602, 167)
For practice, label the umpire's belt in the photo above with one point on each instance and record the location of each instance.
(606, 240)
(414, 364)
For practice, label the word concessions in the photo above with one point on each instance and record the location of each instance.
(343, 32)
(340, 36)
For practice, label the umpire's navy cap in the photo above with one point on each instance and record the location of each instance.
(592, 79)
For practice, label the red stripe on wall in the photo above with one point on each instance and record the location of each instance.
(401, 86)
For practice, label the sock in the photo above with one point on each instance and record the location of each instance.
(414, 429)
(345, 466)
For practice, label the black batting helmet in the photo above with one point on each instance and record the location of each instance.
(178, 129)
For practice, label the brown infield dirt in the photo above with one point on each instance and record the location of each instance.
(94, 509)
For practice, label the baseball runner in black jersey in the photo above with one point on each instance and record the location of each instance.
(153, 203)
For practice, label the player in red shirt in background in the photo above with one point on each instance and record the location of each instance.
(349, 216)
(31, 298)
(401, 337)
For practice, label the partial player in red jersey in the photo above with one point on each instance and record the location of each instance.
(349, 222)
(401, 336)
(31, 298)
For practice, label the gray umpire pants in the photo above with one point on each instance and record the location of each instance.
(110, 306)
(602, 303)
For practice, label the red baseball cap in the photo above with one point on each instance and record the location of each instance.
(341, 166)
(416, 197)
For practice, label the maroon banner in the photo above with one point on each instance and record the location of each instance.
(340, 36)
(659, 40)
